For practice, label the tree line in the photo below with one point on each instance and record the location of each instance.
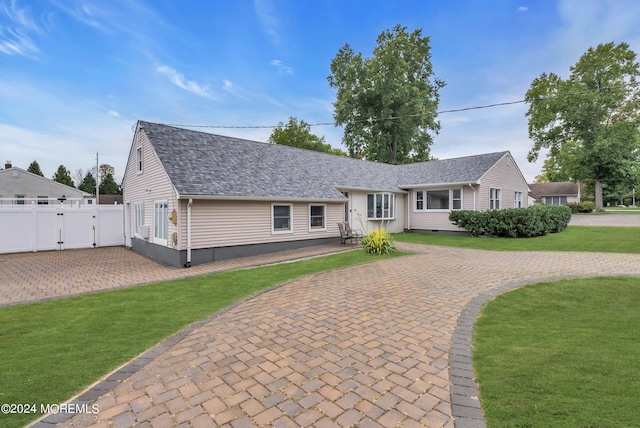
(85, 182)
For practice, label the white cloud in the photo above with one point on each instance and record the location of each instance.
(265, 9)
(113, 113)
(283, 69)
(180, 81)
(14, 38)
(523, 9)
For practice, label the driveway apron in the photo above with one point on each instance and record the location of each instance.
(367, 345)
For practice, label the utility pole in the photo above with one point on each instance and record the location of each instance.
(97, 182)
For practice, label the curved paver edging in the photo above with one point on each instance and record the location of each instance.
(466, 408)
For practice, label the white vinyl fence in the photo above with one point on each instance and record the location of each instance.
(33, 227)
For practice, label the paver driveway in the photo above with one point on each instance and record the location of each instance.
(366, 346)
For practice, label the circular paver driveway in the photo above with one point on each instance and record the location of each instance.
(367, 345)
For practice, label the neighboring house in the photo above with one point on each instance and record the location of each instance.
(193, 197)
(20, 187)
(558, 193)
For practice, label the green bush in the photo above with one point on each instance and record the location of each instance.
(378, 242)
(537, 220)
(581, 207)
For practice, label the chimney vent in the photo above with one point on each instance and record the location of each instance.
(7, 165)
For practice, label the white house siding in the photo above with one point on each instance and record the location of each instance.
(16, 181)
(149, 186)
(439, 220)
(504, 175)
(221, 223)
(358, 214)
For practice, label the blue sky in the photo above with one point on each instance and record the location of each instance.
(75, 76)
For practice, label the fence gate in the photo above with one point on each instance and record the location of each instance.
(58, 227)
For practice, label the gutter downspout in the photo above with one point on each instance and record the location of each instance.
(188, 264)
(474, 196)
(409, 200)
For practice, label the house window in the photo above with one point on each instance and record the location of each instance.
(161, 222)
(43, 200)
(439, 199)
(138, 215)
(494, 198)
(381, 206)
(139, 158)
(317, 217)
(555, 200)
(281, 218)
(419, 200)
(517, 200)
(19, 199)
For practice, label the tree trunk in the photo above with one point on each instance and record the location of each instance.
(598, 192)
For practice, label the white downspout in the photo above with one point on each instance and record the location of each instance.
(409, 200)
(188, 264)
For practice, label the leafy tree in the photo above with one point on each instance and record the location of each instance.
(63, 175)
(88, 184)
(104, 170)
(34, 168)
(388, 103)
(108, 186)
(298, 134)
(590, 121)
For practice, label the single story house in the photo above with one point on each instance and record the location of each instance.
(20, 187)
(557, 193)
(193, 197)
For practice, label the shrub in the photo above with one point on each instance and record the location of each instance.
(514, 222)
(378, 242)
(581, 207)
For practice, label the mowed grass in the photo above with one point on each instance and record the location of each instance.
(574, 238)
(561, 354)
(51, 350)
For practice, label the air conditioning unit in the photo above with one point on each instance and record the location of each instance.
(142, 231)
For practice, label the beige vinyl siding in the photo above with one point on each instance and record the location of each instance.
(439, 220)
(15, 181)
(149, 186)
(359, 219)
(221, 223)
(506, 176)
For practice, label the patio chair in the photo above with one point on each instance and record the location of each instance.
(356, 233)
(344, 236)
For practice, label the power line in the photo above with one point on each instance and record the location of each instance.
(374, 119)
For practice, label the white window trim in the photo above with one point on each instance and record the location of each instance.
(425, 200)
(499, 199)
(516, 199)
(393, 209)
(138, 219)
(157, 240)
(324, 218)
(280, 232)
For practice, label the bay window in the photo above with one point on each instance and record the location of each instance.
(381, 206)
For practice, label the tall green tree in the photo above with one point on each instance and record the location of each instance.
(34, 168)
(592, 118)
(388, 103)
(298, 134)
(108, 186)
(63, 175)
(88, 184)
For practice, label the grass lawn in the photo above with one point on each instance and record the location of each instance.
(50, 351)
(574, 238)
(561, 354)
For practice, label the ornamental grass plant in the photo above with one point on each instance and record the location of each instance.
(378, 242)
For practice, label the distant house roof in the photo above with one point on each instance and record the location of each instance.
(560, 188)
(204, 164)
(110, 199)
(48, 184)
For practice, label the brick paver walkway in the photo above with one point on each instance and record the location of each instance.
(368, 345)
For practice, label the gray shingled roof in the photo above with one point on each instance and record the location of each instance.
(204, 164)
(560, 188)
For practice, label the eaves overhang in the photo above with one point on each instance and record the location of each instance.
(450, 184)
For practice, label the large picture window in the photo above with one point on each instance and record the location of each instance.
(438, 199)
(555, 200)
(281, 218)
(381, 206)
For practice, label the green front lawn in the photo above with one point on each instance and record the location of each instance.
(574, 238)
(561, 354)
(50, 351)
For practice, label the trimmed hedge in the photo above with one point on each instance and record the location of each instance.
(581, 207)
(537, 220)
